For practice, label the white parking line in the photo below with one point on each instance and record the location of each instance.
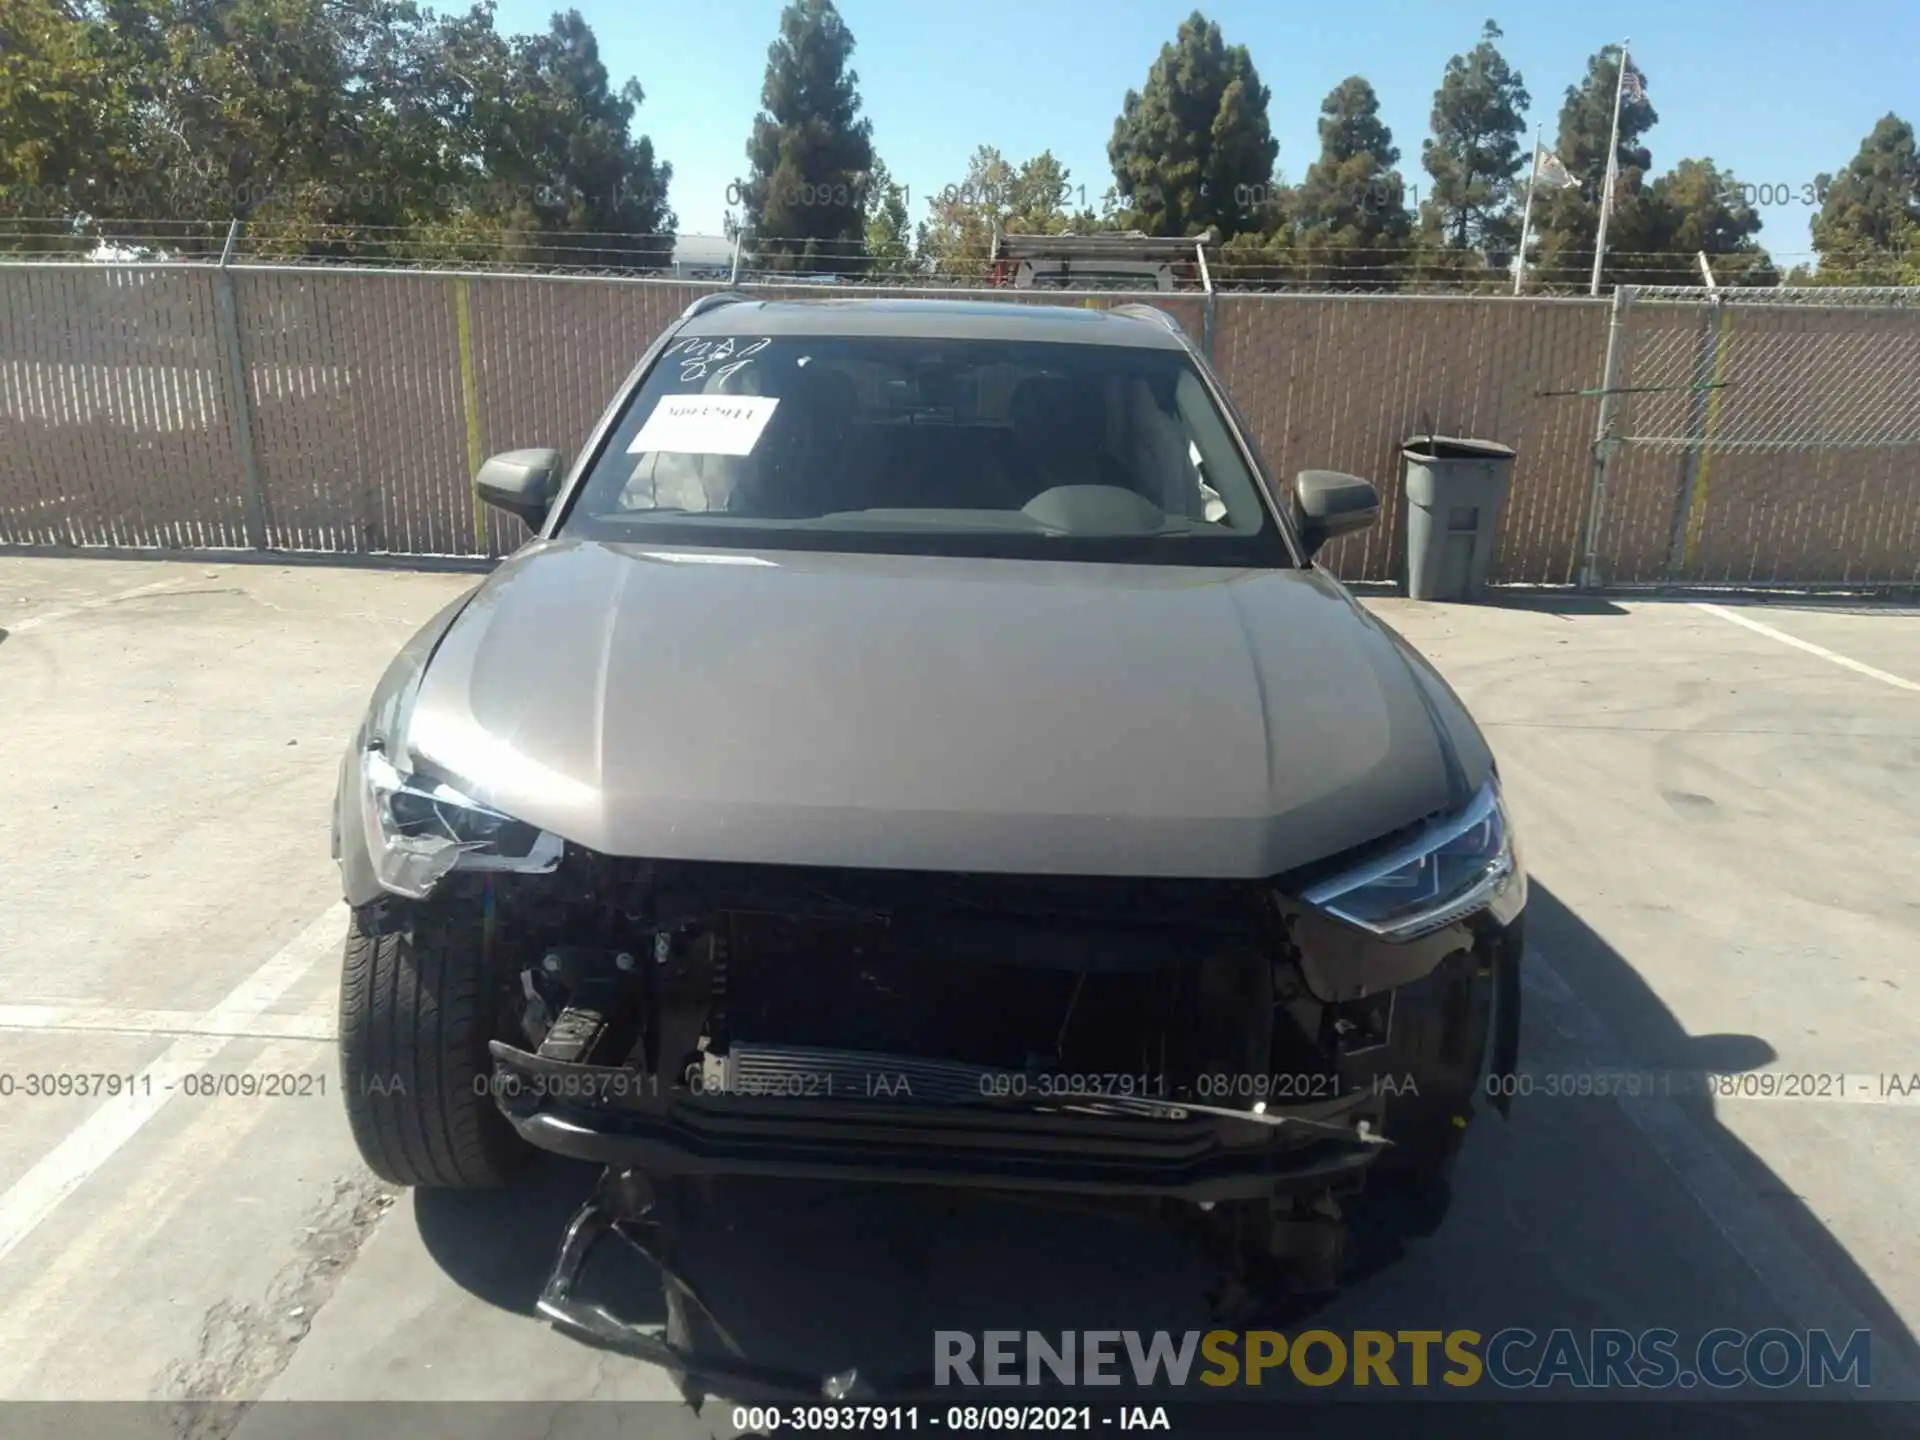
(107, 1020)
(47, 1310)
(38, 1193)
(47, 617)
(1735, 617)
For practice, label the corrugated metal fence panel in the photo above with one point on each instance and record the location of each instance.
(410, 419)
(1798, 470)
(114, 423)
(1819, 515)
(115, 427)
(302, 385)
(1340, 383)
(360, 423)
(548, 356)
(1843, 503)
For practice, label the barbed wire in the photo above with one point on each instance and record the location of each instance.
(281, 226)
(280, 231)
(1303, 265)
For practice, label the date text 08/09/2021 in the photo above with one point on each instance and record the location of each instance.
(606, 1085)
(954, 1419)
(195, 1084)
(1222, 1088)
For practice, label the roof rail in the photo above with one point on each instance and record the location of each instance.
(713, 301)
(1140, 310)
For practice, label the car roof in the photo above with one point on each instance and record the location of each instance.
(934, 319)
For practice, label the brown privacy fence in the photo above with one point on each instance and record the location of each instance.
(1664, 437)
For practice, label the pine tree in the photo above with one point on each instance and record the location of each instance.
(1868, 229)
(1568, 221)
(1192, 148)
(1700, 209)
(811, 153)
(1349, 215)
(889, 228)
(995, 195)
(1476, 151)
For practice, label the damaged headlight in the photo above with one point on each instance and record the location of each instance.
(420, 826)
(1453, 867)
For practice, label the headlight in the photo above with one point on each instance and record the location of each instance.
(419, 827)
(1453, 867)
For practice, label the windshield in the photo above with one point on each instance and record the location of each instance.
(922, 445)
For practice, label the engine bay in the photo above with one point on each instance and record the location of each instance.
(922, 988)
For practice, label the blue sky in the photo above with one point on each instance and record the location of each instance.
(1778, 90)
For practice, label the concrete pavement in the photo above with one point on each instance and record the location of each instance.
(1720, 826)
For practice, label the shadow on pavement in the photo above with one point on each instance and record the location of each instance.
(1552, 602)
(1570, 1215)
(484, 1240)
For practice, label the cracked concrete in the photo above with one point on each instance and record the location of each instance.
(242, 1345)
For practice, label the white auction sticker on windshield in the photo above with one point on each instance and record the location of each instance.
(705, 424)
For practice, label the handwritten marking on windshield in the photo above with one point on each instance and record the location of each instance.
(716, 359)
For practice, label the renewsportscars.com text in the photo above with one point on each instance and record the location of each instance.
(1514, 1358)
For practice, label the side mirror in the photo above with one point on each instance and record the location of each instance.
(1332, 504)
(520, 482)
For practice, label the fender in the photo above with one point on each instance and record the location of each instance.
(386, 720)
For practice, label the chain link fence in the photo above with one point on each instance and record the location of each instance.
(1676, 437)
(1764, 437)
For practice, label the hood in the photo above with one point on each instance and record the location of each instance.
(913, 712)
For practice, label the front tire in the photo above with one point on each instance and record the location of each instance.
(415, 1018)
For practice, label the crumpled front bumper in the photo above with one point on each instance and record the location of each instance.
(1072, 1145)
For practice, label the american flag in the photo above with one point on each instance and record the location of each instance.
(1632, 88)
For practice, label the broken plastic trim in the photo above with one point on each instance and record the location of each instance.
(624, 1204)
(419, 828)
(1360, 1133)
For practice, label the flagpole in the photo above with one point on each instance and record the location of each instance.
(1613, 161)
(1526, 215)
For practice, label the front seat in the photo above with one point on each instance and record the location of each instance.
(1059, 435)
(800, 463)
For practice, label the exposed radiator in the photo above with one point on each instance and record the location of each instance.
(802, 1073)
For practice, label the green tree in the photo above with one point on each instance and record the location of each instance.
(247, 108)
(1192, 148)
(1868, 228)
(1475, 151)
(67, 125)
(371, 128)
(1348, 217)
(1042, 188)
(804, 200)
(1260, 259)
(1568, 221)
(889, 228)
(1698, 208)
(553, 149)
(995, 195)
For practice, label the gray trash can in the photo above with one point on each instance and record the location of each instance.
(1455, 491)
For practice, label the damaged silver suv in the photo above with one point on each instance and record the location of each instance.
(918, 746)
